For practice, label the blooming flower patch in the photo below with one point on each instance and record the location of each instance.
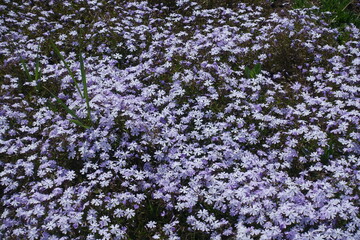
(199, 123)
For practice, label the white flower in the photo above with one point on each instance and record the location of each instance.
(356, 61)
(151, 224)
(156, 236)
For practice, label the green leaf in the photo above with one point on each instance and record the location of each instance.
(247, 72)
(26, 69)
(77, 120)
(68, 110)
(37, 66)
(67, 67)
(37, 75)
(84, 82)
(79, 123)
(252, 74)
(257, 68)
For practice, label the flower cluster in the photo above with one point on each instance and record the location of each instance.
(183, 144)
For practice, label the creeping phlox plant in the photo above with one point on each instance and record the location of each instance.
(189, 124)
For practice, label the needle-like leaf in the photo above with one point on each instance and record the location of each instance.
(84, 82)
(67, 67)
(247, 72)
(37, 66)
(79, 123)
(68, 110)
(26, 69)
(37, 73)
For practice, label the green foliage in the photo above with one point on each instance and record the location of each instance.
(37, 73)
(76, 119)
(83, 94)
(301, 4)
(342, 14)
(344, 11)
(252, 73)
(27, 73)
(67, 67)
(84, 82)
